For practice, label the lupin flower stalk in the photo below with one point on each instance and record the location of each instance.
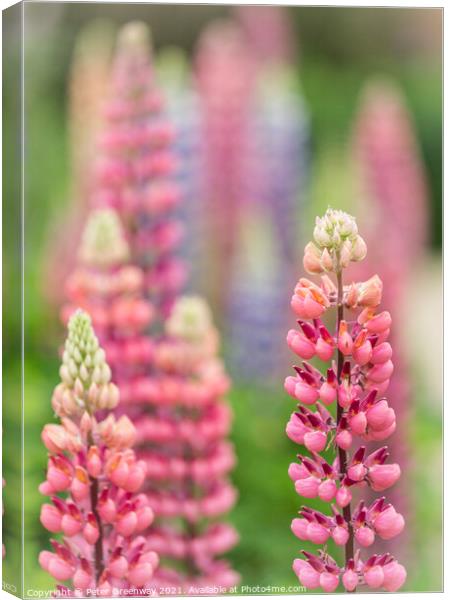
(92, 479)
(106, 286)
(393, 177)
(135, 170)
(269, 31)
(394, 193)
(225, 76)
(183, 110)
(355, 380)
(182, 437)
(112, 291)
(255, 139)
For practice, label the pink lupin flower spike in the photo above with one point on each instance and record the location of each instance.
(111, 290)
(173, 390)
(355, 382)
(182, 439)
(268, 29)
(394, 193)
(225, 70)
(135, 170)
(100, 516)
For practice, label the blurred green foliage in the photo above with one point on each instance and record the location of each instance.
(340, 48)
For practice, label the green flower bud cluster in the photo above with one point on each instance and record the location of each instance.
(190, 319)
(103, 242)
(85, 375)
(134, 38)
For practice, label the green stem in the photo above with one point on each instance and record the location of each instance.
(99, 543)
(98, 549)
(343, 459)
(190, 528)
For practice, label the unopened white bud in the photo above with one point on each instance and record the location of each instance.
(326, 260)
(77, 355)
(105, 373)
(84, 373)
(103, 242)
(321, 237)
(345, 254)
(335, 234)
(359, 249)
(190, 319)
(99, 357)
(65, 374)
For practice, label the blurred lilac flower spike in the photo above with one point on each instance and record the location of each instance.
(255, 148)
(183, 109)
(359, 368)
(263, 269)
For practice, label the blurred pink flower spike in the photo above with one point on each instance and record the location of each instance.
(187, 456)
(183, 110)
(101, 518)
(225, 75)
(393, 176)
(256, 150)
(268, 28)
(111, 290)
(355, 382)
(393, 195)
(136, 168)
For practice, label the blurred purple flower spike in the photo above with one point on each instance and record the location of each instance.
(183, 110)
(255, 132)
(225, 73)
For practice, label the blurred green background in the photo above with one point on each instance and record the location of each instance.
(338, 49)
